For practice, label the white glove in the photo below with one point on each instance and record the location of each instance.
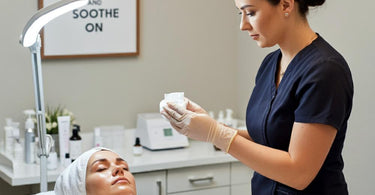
(195, 123)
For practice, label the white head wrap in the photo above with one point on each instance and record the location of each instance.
(72, 181)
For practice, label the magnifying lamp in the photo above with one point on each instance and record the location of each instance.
(30, 38)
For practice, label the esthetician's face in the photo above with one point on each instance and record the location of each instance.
(263, 21)
(108, 174)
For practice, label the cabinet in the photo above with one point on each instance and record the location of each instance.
(151, 183)
(240, 179)
(213, 191)
(219, 179)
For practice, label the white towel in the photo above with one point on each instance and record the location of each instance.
(72, 181)
(46, 193)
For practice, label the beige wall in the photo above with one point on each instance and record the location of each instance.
(192, 46)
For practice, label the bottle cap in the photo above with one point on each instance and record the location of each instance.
(29, 124)
(76, 127)
(137, 141)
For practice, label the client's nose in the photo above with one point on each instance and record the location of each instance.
(118, 171)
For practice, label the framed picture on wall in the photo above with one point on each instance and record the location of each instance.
(103, 28)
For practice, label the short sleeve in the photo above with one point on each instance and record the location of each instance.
(324, 94)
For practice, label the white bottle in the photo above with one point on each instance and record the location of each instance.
(97, 139)
(29, 137)
(211, 114)
(220, 118)
(228, 118)
(52, 162)
(18, 152)
(17, 147)
(8, 135)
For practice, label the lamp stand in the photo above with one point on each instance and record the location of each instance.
(40, 112)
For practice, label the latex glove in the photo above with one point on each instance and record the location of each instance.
(199, 125)
(192, 106)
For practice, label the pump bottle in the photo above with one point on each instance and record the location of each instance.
(75, 143)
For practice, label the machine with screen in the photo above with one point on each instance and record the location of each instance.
(156, 133)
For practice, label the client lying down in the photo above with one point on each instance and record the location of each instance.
(98, 171)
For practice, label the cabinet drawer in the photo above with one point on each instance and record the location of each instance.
(213, 191)
(193, 178)
(240, 173)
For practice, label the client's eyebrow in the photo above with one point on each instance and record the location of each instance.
(120, 159)
(105, 160)
(245, 6)
(99, 160)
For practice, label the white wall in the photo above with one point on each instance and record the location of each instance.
(350, 27)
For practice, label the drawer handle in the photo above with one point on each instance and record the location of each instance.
(210, 179)
(159, 186)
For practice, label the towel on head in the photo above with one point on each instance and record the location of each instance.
(72, 181)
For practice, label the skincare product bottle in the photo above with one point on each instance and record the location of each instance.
(211, 114)
(220, 118)
(16, 131)
(66, 160)
(29, 137)
(52, 159)
(64, 133)
(228, 118)
(97, 139)
(75, 143)
(18, 152)
(137, 148)
(17, 147)
(8, 135)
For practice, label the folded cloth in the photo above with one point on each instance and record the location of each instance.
(46, 193)
(72, 181)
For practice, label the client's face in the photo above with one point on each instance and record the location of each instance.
(107, 173)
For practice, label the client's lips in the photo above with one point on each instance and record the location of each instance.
(120, 180)
(254, 36)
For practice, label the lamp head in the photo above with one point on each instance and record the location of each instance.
(45, 15)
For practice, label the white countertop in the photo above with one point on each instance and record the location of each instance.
(197, 154)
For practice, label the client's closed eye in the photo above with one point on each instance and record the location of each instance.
(100, 169)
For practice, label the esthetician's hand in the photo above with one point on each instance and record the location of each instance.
(199, 125)
(192, 106)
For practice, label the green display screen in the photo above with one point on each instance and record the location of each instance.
(167, 132)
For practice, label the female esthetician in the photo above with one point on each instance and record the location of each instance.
(98, 171)
(298, 111)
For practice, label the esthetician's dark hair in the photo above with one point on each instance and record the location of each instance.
(303, 5)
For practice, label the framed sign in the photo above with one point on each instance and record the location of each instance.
(100, 29)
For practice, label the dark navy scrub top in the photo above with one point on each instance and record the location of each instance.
(317, 87)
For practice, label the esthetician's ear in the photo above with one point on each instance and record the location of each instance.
(287, 6)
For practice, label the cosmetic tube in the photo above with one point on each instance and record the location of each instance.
(64, 131)
(97, 139)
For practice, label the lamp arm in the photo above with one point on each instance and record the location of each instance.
(45, 15)
(40, 112)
